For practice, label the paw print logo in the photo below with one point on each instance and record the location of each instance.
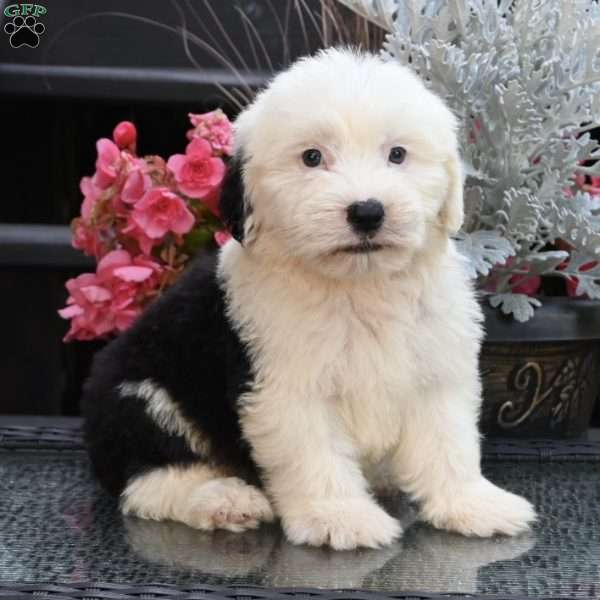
(24, 31)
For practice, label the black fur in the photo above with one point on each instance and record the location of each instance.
(233, 207)
(184, 344)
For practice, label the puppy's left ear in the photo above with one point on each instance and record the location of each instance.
(452, 213)
(232, 204)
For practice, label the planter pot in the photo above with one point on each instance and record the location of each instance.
(541, 378)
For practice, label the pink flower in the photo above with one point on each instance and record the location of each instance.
(125, 134)
(573, 282)
(212, 201)
(87, 239)
(197, 172)
(131, 185)
(222, 237)
(161, 211)
(90, 195)
(592, 187)
(523, 284)
(127, 282)
(120, 264)
(85, 308)
(475, 131)
(214, 127)
(86, 235)
(136, 233)
(112, 298)
(107, 163)
(136, 184)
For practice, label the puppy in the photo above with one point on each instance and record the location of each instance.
(329, 349)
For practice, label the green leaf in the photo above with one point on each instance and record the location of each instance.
(197, 239)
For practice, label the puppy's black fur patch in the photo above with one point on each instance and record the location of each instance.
(184, 344)
(233, 206)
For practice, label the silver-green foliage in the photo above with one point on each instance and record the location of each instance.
(522, 77)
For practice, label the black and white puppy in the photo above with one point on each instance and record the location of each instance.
(331, 349)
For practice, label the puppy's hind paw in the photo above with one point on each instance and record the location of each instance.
(481, 510)
(341, 524)
(227, 503)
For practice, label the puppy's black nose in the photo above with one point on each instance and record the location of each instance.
(367, 216)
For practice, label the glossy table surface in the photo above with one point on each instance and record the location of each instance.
(57, 525)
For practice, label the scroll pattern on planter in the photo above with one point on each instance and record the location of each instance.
(565, 390)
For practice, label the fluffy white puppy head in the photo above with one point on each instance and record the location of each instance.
(346, 163)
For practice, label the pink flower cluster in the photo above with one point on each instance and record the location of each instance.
(142, 219)
(215, 128)
(110, 299)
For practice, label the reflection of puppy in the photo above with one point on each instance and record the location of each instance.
(423, 560)
(213, 552)
(264, 557)
(338, 333)
(442, 562)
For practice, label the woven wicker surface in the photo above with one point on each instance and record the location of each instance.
(46, 434)
(40, 436)
(57, 525)
(99, 591)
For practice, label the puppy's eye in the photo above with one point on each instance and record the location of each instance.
(397, 155)
(312, 157)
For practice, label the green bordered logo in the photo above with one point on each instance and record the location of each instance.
(24, 26)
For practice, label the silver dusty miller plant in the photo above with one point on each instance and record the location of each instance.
(522, 77)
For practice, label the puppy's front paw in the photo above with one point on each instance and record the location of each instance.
(341, 524)
(480, 509)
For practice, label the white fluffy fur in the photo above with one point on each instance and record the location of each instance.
(365, 365)
(361, 360)
(200, 497)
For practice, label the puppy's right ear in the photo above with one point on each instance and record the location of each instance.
(452, 213)
(232, 204)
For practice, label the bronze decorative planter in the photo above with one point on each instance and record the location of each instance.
(541, 378)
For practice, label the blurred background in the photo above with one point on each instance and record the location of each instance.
(99, 62)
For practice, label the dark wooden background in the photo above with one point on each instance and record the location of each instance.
(89, 72)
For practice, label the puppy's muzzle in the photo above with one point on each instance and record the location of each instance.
(366, 217)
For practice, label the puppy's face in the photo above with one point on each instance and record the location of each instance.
(349, 164)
